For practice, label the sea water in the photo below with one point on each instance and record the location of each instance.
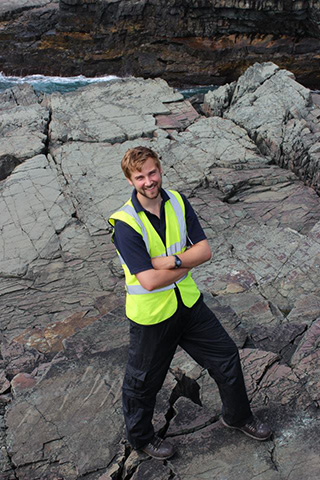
(45, 84)
(42, 83)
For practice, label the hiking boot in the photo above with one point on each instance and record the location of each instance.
(159, 448)
(254, 428)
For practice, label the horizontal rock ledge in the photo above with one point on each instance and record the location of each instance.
(185, 43)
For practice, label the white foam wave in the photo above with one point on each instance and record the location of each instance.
(46, 84)
(62, 80)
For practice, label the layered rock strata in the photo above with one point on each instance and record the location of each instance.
(63, 329)
(207, 42)
(296, 146)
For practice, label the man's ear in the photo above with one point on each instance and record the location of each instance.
(130, 182)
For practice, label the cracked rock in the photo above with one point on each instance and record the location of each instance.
(63, 329)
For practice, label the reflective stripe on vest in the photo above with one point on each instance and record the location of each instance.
(131, 211)
(179, 213)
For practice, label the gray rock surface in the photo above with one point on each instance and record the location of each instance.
(11, 6)
(63, 329)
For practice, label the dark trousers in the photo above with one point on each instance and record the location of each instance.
(198, 331)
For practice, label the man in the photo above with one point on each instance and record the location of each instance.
(159, 240)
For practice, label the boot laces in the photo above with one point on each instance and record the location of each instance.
(254, 425)
(156, 442)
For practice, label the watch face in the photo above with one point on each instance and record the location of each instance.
(178, 261)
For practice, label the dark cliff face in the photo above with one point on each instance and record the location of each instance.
(183, 41)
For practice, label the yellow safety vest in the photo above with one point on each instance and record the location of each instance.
(151, 307)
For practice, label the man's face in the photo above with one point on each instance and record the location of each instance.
(148, 181)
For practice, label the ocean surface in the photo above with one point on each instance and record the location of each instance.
(42, 83)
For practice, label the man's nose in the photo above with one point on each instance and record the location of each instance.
(148, 181)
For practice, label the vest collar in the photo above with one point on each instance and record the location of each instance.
(137, 205)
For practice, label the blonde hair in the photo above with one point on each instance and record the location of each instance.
(135, 158)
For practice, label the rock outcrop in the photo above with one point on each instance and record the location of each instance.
(250, 170)
(296, 146)
(184, 42)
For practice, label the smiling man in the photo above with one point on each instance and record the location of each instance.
(159, 240)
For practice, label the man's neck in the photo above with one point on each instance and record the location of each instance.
(152, 205)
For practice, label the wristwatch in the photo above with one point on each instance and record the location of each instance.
(178, 261)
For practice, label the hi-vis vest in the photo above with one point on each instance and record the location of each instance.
(150, 307)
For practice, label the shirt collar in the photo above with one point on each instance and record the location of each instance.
(137, 205)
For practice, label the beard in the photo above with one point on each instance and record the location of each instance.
(151, 192)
